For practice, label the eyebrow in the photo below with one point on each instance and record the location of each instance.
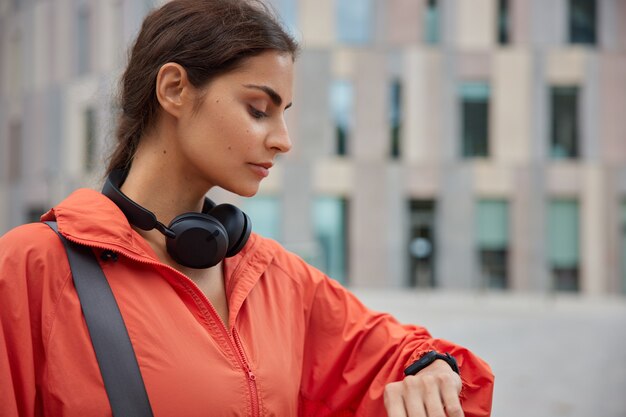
(273, 95)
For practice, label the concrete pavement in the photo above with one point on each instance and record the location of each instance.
(553, 356)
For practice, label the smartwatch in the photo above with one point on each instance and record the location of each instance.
(429, 358)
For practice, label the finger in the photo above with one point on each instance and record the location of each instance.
(393, 400)
(451, 401)
(433, 399)
(412, 394)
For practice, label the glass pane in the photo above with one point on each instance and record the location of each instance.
(503, 22)
(563, 233)
(475, 91)
(475, 119)
(492, 235)
(582, 21)
(329, 218)
(354, 20)
(563, 244)
(395, 117)
(84, 40)
(341, 105)
(90, 138)
(431, 22)
(565, 279)
(564, 142)
(34, 213)
(493, 267)
(624, 246)
(15, 65)
(492, 224)
(264, 213)
(422, 243)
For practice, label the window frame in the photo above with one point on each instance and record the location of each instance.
(577, 35)
(470, 95)
(560, 148)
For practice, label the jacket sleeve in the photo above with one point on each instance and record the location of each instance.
(351, 353)
(26, 256)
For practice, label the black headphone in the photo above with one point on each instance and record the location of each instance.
(195, 240)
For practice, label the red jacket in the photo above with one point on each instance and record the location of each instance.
(297, 343)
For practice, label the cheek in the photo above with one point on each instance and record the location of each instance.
(230, 128)
(245, 134)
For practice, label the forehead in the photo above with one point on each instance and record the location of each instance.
(269, 60)
(272, 69)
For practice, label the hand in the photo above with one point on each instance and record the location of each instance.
(432, 392)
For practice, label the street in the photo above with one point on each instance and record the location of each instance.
(553, 356)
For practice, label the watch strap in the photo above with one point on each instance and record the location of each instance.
(427, 359)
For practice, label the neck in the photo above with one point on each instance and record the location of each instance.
(156, 183)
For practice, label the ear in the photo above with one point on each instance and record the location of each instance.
(172, 88)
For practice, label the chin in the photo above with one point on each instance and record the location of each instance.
(245, 191)
(249, 194)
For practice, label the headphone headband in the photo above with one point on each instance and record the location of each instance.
(195, 240)
(137, 215)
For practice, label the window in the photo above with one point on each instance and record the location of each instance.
(264, 213)
(422, 243)
(395, 117)
(355, 21)
(14, 65)
(582, 22)
(475, 119)
(83, 37)
(624, 246)
(341, 104)
(504, 25)
(564, 126)
(330, 223)
(117, 31)
(431, 22)
(563, 243)
(90, 138)
(14, 151)
(492, 233)
(34, 213)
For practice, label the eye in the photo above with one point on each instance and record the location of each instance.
(257, 114)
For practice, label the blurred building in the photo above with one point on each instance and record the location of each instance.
(461, 144)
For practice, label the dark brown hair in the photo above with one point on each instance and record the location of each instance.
(207, 38)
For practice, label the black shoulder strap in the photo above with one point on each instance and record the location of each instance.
(114, 351)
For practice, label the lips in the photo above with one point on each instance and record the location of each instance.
(262, 169)
(266, 165)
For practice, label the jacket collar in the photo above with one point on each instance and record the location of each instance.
(89, 218)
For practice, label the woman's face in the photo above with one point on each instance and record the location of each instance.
(233, 137)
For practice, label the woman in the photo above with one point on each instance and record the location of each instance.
(257, 333)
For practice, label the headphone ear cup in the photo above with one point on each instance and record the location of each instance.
(237, 225)
(201, 241)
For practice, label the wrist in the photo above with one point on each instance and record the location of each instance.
(427, 359)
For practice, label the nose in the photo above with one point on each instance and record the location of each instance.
(279, 139)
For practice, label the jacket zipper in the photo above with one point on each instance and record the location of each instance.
(233, 338)
(254, 392)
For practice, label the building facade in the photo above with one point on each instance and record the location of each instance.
(458, 144)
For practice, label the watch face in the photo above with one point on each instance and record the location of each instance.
(429, 358)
